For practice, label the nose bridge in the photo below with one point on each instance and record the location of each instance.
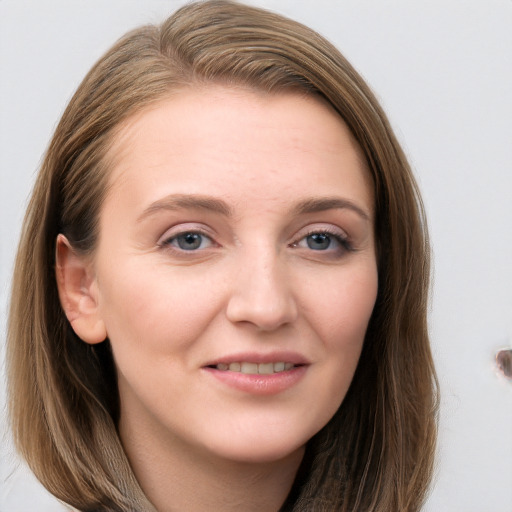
(261, 293)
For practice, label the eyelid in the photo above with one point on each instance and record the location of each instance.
(183, 228)
(329, 229)
(342, 243)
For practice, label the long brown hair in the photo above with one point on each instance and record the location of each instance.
(376, 454)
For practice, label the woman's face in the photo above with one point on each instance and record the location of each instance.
(235, 271)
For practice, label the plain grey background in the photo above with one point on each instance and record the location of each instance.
(442, 70)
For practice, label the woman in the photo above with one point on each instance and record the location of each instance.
(220, 292)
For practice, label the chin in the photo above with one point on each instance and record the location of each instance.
(260, 450)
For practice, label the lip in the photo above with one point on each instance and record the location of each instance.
(258, 384)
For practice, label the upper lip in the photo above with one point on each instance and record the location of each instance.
(255, 357)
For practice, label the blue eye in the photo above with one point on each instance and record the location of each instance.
(324, 241)
(189, 241)
(319, 241)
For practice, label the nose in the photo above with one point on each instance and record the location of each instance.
(261, 294)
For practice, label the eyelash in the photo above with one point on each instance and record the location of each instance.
(342, 241)
(168, 242)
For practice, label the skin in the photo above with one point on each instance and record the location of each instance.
(279, 262)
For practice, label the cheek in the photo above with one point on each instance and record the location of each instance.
(339, 314)
(153, 309)
(343, 307)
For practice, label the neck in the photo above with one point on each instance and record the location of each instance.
(177, 477)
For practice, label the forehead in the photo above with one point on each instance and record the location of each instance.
(205, 137)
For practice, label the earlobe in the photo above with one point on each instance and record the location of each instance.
(78, 292)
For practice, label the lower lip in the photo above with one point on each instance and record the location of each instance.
(256, 384)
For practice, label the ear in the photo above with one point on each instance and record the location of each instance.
(78, 292)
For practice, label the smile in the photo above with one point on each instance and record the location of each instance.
(255, 368)
(261, 379)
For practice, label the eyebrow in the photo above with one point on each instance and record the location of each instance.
(212, 204)
(187, 201)
(321, 204)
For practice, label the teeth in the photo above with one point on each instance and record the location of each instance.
(266, 369)
(249, 368)
(279, 367)
(255, 368)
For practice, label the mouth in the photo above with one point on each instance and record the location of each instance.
(258, 378)
(249, 368)
(260, 374)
